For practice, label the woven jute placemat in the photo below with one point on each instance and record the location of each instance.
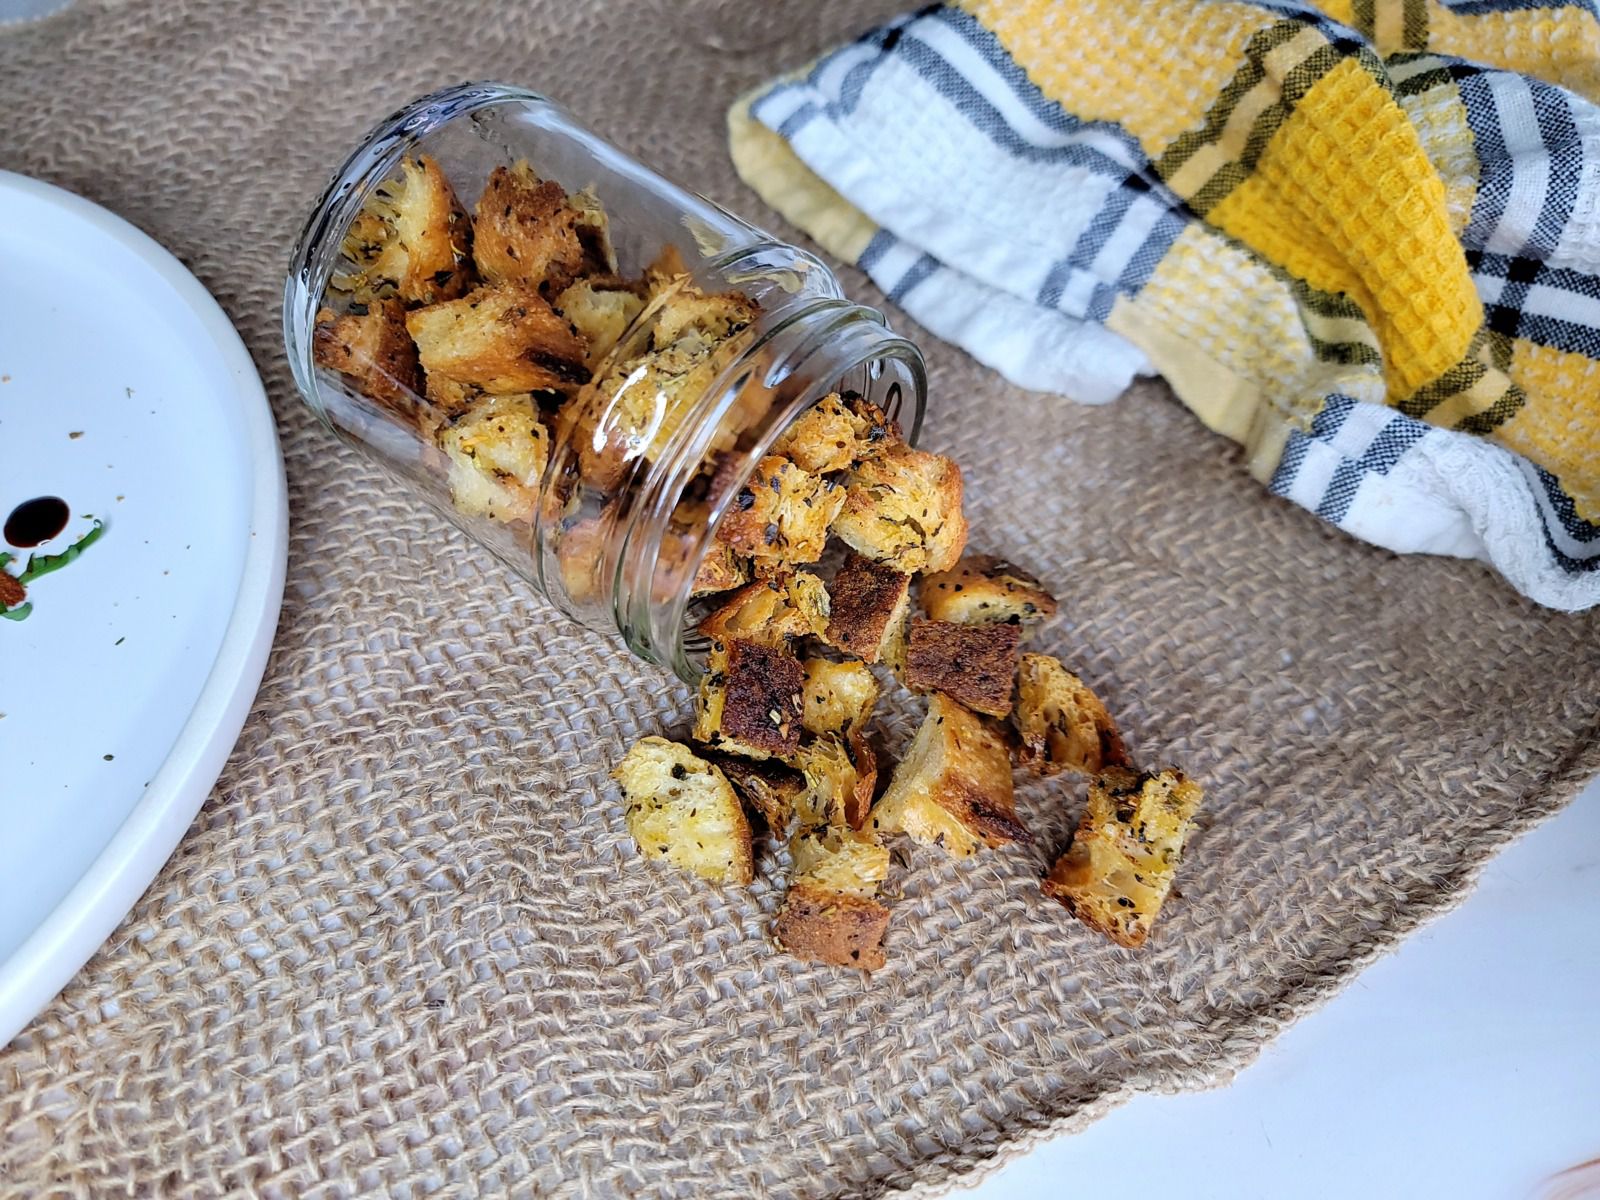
(406, 946)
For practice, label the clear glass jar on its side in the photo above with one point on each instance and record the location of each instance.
(599, 470)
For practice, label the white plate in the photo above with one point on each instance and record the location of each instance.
(126, 688)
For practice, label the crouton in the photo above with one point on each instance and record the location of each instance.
(984, 590)
(975, 664)
(527, 231)
(13, 592)
(821, 925)
(680, 808)
(374, 353)
(953, 787)
(497, 452)
(852, 862)
(868, 608)
(410, 240)
(839, 696)
(750, 700)
(903, 508)
(578, 554)
(500, 340)
(781, 515)
(601, 311)
(769, 789)
(832, 435)
(633, 409)
(1061, 723)
(719, 569)
(1121, 864)
(840, 781)
(770, 610)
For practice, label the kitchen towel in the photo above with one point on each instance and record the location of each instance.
(1362, 241)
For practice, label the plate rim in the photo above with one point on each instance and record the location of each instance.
(47, 960)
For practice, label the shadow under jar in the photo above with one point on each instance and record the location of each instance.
(575, 360)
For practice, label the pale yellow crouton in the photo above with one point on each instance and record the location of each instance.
(601, 311)
(840, 780)
(984, 590)
(681, 809)
(772, 610)
(497, 454)
(833, 435)
(1061, 723)
(839, 696)
(829, 915)
(953, 787)
(1120, 866)
(903, 509)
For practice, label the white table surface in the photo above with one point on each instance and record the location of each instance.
(1464, 1065)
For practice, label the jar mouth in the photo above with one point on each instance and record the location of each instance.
(829, 346)
(315, 254)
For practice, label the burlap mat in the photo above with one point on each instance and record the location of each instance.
(407, 947)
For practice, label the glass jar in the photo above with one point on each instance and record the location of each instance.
(578, 362)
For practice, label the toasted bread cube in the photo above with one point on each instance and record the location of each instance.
(869, 604)
(374, 353)
(410, 240)
(497, 454)
(850, 861)
(781, 516)
(953, 787)
(635, 407)
(499, 340)
(680, 808)
(771, 610)
(984, 590)
(578, 553)
(526, 230)
(975, 664)
(601, 312)
(750, 700)
(1121, 864)
(833, 435)
(840, 780)
(839, 696)
(821, 925)
(903, 508)
(721, 570)
(1061, 723)
(769, 788)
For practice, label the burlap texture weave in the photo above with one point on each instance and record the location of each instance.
(406, 947)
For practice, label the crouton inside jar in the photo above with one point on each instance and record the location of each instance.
(635, 399)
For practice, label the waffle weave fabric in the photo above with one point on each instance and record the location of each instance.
(407, 947)
(1363, 240)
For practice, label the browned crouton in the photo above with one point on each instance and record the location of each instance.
(839, 696)
(781, 516)
(1121, 864)
(680, 808)
(497, 452)
(832, 435)
(788, 604)
(374, 353)
(975, 664)
(1061, 723)
(769, 788)
(984, 590)
(953, 787)
(903, 508)
(526, 231)
(869, 603)
(821, 925)
(750, 700)
(499, 340)
(411, 240)
(13, 592)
